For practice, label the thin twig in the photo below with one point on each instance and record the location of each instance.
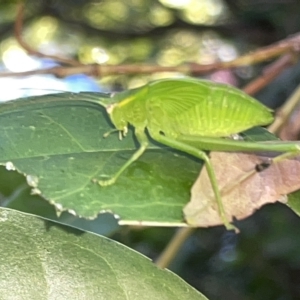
(285, 111)
(269, 74)
(59, 72)
(287, 46)
(173, 246)
(18, 35)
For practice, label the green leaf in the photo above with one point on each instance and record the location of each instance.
(57, 142)
(15, 194)
(44, 260)
(294, 202)
(258, 134)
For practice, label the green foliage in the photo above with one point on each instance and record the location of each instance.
(44, 260)
(261, 262)
(57, 142)
(294, 203)
(62, 150)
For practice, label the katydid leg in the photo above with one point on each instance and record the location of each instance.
(288, 149)
(287, 155)
(202, 155)
(229, 145)
(270, 161)
(143, 140)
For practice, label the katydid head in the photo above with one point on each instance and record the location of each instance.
(117, 117)
(129, 107)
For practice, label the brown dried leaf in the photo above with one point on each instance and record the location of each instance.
(240, 199)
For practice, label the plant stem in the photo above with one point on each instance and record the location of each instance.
(174, 245)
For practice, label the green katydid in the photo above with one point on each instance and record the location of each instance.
(191, 116)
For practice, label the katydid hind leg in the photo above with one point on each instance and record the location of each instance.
(288, 149)
(287, 155)
(202, 155)
(143, 140)
(266, 163)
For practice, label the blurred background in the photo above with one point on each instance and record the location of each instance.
(263, 261)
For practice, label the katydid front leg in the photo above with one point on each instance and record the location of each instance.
(143, 141)
(202, 155)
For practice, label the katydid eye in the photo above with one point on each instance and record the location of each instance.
(110, 108)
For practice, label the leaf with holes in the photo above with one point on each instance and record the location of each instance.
(57, 142)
